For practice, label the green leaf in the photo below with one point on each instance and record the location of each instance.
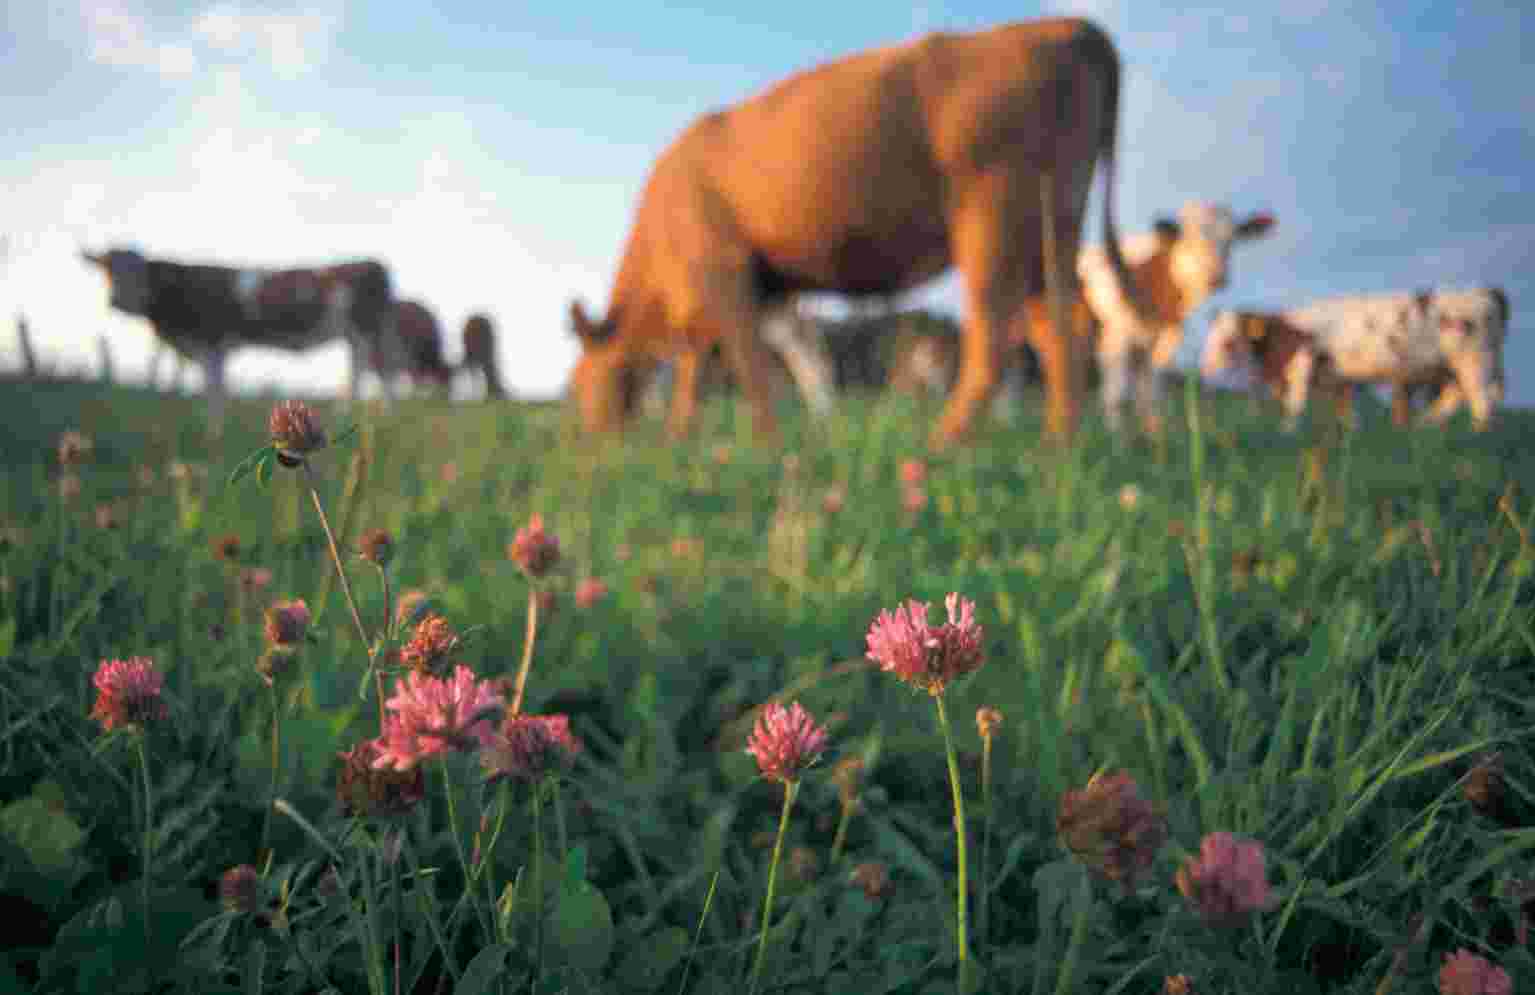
(47, 832)
(580, 932)
(483, 970)
(7, 636)
(344, 436)
(264, 468)
(255, 968)
(649, 961)
(244, 468)
(575, 866)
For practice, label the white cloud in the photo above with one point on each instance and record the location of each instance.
(123, 35)
(292, 43)
(121, 38)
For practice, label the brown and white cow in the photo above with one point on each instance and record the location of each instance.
(1449, 340)
(870, 175)
(1285, 361)
(1175, 268)
(421, 339)
(204, 312)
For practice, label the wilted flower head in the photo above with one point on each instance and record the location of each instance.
(287, 622)
(431, 643)
(1129, 499)
(873, 877)
(435, 715)
(375, 546)
(253, 579)
(913, 472)
(1111, 828)
(412, 607)
(1177, 984)
(295, 431)
(240, 889)
(226, 547)
(530, 747)
(847, 775)
(548, 601)
(448, 472)
(833, 500)
(927, 656)
(687, 547)
(1466, 973)
(987, 720)
(128, 693)
(74, 448)
(786, 741)
(107, 516)
(533, 549)
(1483, 787)
(590, 591)
(913, 498)
(364, 789)
(1227, 881)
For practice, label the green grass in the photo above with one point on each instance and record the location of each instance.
(1305, 641)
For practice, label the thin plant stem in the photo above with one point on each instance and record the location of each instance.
(266, 818)
(986, 802)
(458, 842)
(790, 789)
(399, 910)
(962, 889)
(1084, 903)
(143, 751)
(527, 651)
(538, 879)
(559, 817)
(346, 585)
(383, 578)
(840, 840)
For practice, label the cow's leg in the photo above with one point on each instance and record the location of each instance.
(728, 307)
(1150, 385)
(686, 369)
(1343, 404)
(1117, 363)
(1001, 268)
(1009, 400)
(1401, 405)
(1446, 404)
(808, 362)
(1297, 387)
(213, 373)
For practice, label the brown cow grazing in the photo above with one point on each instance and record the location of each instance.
(203, 312)
(480, 354)
(870, 175)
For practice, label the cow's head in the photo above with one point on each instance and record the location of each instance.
(1202, 239)
(1472, 325)
(608, 378)
(127, 274)
(1228, 347)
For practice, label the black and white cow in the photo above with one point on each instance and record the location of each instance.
(204, 312)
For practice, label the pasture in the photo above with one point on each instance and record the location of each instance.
(1312, 642)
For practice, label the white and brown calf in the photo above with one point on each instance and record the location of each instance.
(1176, 268)
(1449, 340)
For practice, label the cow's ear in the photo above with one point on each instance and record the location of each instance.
(588, 331)
(1422, 299)
(1166, 227)
(93, 259)
(1501, 300)
(1255, 224)
(1252, 327)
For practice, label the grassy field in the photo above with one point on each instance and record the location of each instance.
(1315, 643)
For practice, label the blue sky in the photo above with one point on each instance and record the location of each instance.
(491, 153)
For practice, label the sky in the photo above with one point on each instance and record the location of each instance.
(491, 153)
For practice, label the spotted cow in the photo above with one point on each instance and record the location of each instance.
(1449, 341)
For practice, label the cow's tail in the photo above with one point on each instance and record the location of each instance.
(1107, 140)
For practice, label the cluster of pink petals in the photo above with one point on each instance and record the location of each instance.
(1466, 973)
(533, 549)
(786, 741)
(530, 747)
(128, 693)
(913, 472)
(295, 430)
(1228, 881)
(923, 655)
(435, 715)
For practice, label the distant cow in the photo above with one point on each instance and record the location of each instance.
(1446, 340)
(870, 175)
(421, 338)
(480, 353)
(204, 312)
(1175, 268)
